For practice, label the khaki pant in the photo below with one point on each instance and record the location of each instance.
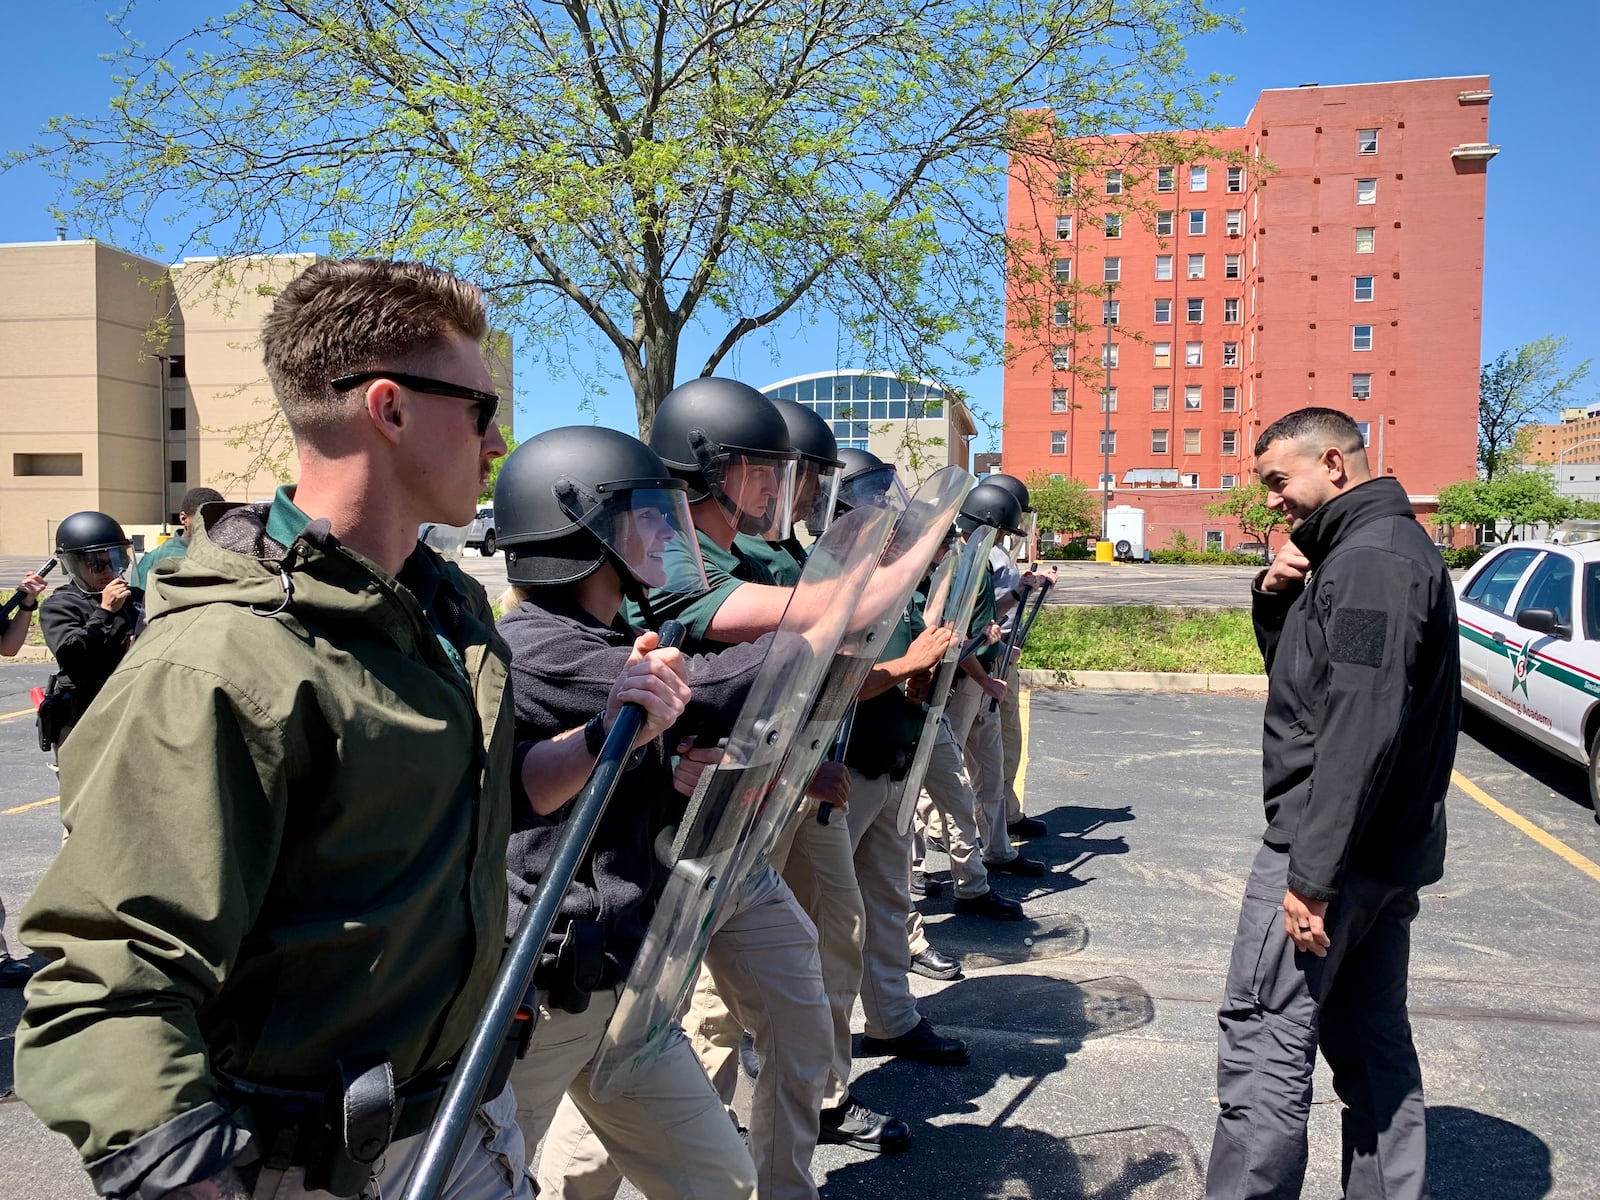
(1011, 742)
(977, 732)
(764, 959)
(947, 808)
(492, 1164)
(667, 1131)
(883, 870)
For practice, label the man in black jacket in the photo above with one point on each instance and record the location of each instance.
(1356, 621)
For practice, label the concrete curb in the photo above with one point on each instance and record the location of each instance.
(33, 654)
(1144, 681)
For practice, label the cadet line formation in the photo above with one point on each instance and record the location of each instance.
(309, 785)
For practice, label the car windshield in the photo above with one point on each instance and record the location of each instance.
(1492, 587)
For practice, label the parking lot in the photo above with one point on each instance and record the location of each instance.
(1093, 1024)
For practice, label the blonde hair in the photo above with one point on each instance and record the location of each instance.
(341, 316)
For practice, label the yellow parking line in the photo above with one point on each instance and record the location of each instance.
(1024, 698)
(21, 712)
(22, 808)
(1515, 819)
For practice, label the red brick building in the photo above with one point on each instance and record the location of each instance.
(1330, 252)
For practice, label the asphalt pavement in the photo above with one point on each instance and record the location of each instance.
(1092, 1025)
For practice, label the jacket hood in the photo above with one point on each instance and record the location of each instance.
(232, 559)
(1373, 500)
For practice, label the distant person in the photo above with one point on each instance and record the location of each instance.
(177, 545)
(1356, 620)
(13, 633)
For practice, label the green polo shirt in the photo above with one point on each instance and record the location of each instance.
(175, 546)
(726, 572)
(784, 561)
(889, 723)
(982, 613)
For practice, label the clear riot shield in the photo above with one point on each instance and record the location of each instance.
(707, 850)
(965, 574)
(917, 535)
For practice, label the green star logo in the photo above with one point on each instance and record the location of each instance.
(1521, 668)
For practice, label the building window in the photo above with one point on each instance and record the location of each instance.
(1058, 400)
(1108, 441)
(1113, 225)
(1191, 441)
(1231, 266)
(1058, 441)
(1062, 313)
(1197, 179)
(1108, 400)
(1236, 179)
(1063, 184)
(1164, 223)
(1361, 386)
(33, 466)
(1230, 441)
(1166, 179)
(1366, 191)
(1192, 354)
(1163, 311)
(1366, 432)
(1197, 221)
(1160, 398)
(177, 368)
(1361, 337)
(1197, 266)
(1230, 399)
(1364, 239)
(1366, 141)
(1110, 312)
(1163, 266)
(1061, 357)
(1108, 355)
(1111, 272)
(180, 471)
(177, 419)
(1113, 183)
(1063, 270)
(1213, 539)
(1364, 287)
(1158, 441)
(1230, 310)
(1191, 398)
(1195, 310)
(1108, 482)
(1163, 354)
(1063, 229)
(1230, 354)
(1189, 479)
(1229, 482)
(1235, 222)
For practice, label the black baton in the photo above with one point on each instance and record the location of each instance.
(465, 1092)
(17, 597)
(1018, 637)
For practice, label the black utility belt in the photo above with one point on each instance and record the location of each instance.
(880, 765)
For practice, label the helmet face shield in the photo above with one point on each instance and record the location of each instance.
(756, 491)
(96, 566)
(648, 529)
(816, 489)
(878, 488)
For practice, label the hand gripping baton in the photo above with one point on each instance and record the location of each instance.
(1018, 637)
(465, 1092)
(17, 597)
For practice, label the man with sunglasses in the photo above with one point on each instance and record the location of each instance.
(261, 968)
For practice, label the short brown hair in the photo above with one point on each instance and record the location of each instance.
(341, 316)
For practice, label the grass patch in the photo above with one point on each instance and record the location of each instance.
(36, 636)
(1130, 638)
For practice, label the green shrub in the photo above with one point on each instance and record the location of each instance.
(1461, 556)
(1074, 551)
(1205, 558)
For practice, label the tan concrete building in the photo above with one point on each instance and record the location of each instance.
(124, 382)
(1576, 439)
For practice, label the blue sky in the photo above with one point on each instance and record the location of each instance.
(1541, 224)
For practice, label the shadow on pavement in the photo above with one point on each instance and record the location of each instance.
(1023, 1030)
(10, 1014)
(1471, 1154)
(1545, 766)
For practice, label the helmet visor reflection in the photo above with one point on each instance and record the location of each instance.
(92, 569)
(649, 531)
(878, 488)
(816, 489)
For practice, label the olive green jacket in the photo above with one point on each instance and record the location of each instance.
(287, 847)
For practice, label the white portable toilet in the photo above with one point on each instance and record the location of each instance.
(1125, 531)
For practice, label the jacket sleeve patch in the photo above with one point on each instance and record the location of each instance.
(1358, 636)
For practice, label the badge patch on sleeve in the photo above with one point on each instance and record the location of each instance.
(1358, 636)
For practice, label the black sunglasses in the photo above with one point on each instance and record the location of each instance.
(488, 402)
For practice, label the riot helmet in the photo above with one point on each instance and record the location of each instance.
(869, 482)
(93, 550)
(990, 504)
(1030, 516)
(816, 480)
(729, 443)
(568, 500)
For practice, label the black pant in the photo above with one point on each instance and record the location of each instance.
(1280, 1006)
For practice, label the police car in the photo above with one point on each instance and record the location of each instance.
(1529, 616)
